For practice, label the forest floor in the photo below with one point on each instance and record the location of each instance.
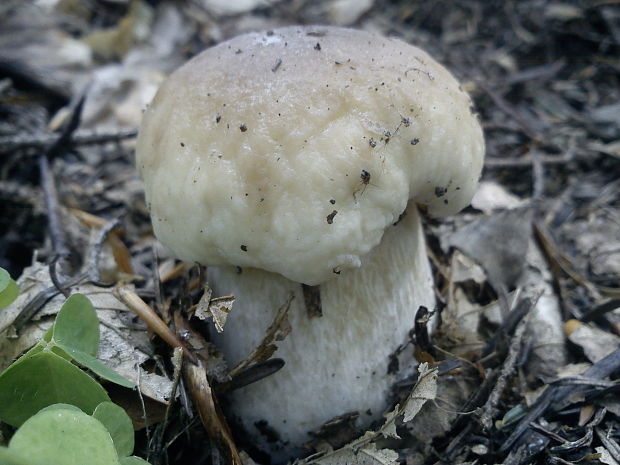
(528, 277)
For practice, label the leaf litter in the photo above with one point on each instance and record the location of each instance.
(531, 320)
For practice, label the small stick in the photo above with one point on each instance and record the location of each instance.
(53, 209)
(205, 402)
(95, 252)
(39, 141)
(152, 320)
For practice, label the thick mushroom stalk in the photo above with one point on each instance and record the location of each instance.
(335, 363)
(294, 152)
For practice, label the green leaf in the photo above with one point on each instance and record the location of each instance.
(96, 366)
(8, 457)
(118, 424)
(60, 406)
(62, 436)
(8, 289)
(132, 460)
(38, 347)
(77, 325)
(43, 379)
(47, 337)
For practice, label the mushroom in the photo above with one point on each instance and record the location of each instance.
(291, 162)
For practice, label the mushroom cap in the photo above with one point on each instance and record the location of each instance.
(292, 150)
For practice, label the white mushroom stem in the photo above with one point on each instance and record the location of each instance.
(336, 363)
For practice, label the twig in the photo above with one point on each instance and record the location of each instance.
(250, 375)
(53, 209)
(546, 71)
(205, 402)
(555, 397)
(40, 141)
(489, 410)
(38, 302)
(152, 319)
(538, 176)
(53, 271)
(94, 253)
(527, 161)
(144, 414)
(177, 363)
(47, 178)
(612, 446)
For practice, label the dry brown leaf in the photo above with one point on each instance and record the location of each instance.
(277, 331)
(216, 308)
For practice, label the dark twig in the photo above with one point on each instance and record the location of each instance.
(612, 446)
(527, 161)
(555, 397)
(47, 179)
(509, 325)
(250, 375)
(53, 270)
(600, 310)
(60, 144)
(40, 141)
(92, 267)
(205, 402)
(39, 301)
(489, 410)
(53, 209)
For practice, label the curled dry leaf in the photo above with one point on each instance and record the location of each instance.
(424, 390)
(216, 308)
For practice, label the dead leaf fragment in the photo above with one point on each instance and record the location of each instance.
(596, 343)
(424, 390)
(491, 197)
(368, 455)
(217, 308)
(498, 243)
(605, 456)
